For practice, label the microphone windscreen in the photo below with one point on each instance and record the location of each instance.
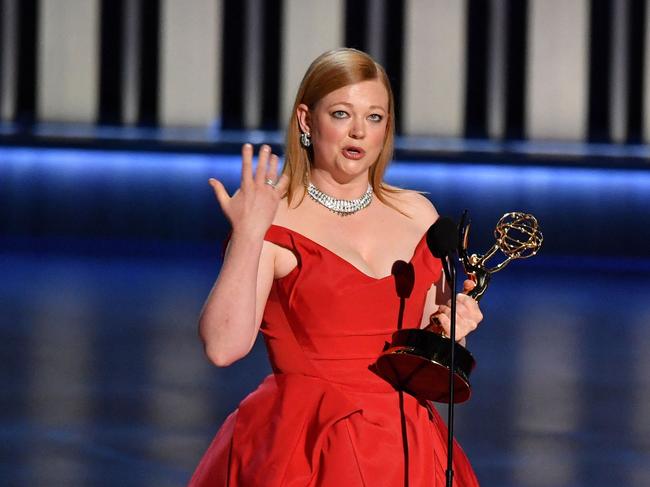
(442, 237)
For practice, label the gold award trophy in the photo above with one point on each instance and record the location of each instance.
(417, 361)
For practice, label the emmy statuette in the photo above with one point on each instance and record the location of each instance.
(417, 361)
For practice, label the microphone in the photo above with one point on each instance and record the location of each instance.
(442, 240)
(442, 237)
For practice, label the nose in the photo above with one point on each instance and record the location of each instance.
(357, 129)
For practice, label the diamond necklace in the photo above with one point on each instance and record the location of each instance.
(340, 207)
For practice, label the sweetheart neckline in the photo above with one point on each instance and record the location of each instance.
(347, 262)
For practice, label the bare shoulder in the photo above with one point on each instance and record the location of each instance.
(416, 205)
(282, 215)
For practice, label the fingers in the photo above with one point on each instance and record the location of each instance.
(246, 164)
(272, 172)
(267, 166)
(262, 164)
(468, 316)
(282, 184)
(220, 192)
(436, 324)
(468, 285)
(440, 323)
(468, 308)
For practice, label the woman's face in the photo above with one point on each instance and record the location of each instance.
(347, 128)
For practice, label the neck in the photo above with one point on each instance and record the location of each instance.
(346, 190)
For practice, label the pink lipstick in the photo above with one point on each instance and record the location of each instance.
(354, 153)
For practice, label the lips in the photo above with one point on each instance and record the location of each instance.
(353, 152)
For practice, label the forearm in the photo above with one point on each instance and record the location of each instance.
(228, 321)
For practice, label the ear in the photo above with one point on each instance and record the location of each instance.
(304, 119)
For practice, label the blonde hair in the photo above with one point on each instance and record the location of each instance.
(329, 72)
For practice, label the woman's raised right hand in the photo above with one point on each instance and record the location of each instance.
(253, 206)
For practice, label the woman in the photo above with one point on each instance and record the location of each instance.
(309, 264)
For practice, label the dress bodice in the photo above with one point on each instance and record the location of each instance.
(328, 319)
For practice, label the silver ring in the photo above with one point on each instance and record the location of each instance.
(270, 182)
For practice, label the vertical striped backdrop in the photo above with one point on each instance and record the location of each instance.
(517, 69)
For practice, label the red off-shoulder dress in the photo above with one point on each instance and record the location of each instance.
(324, 418)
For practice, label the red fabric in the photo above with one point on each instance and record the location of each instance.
(324, 418)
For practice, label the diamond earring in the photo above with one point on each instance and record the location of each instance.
(305, 139)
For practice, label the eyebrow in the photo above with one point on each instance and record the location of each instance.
(371, 107)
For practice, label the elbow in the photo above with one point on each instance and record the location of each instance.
(218, 350)
(219, 355)
(219, 358)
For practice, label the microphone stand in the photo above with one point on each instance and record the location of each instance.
(449, 474)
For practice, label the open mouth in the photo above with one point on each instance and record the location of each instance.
(352, 152)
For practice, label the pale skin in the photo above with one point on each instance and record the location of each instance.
(347, 129)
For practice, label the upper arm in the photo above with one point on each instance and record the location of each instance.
(275, 263)
(265, 276)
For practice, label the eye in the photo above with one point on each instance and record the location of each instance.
(375, 117)
(339, 114)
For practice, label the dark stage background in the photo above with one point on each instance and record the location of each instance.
(106, 257)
